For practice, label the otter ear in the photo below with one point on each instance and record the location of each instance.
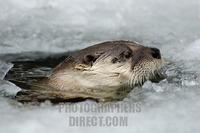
(89, 59)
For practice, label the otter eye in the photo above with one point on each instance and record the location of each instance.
(89, 59)
(114, 60)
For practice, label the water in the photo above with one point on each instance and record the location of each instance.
(171, 105)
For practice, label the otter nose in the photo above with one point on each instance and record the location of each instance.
(155, 53)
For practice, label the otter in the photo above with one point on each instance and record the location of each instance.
(103, 72)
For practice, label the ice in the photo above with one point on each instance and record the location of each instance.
(193, 51)
(189, 83)
(56, 25)
(8, 89)
(149, 86)
(4, 68)
(171, 105)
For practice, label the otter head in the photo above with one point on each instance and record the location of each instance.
(107, 67)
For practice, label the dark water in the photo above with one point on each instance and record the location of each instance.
(27, 67)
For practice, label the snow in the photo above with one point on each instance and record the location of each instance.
(4, 68)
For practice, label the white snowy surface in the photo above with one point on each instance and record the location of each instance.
(171, 106)
(192, 51)
(4, 68)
